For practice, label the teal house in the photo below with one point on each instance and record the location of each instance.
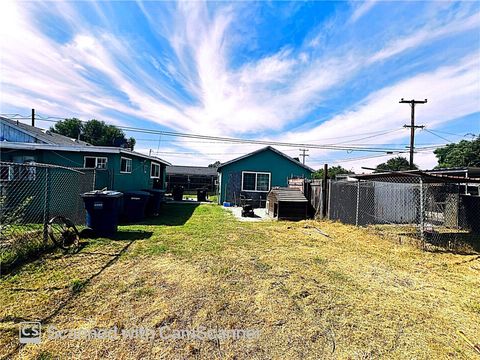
(115, 168)
(251, 176)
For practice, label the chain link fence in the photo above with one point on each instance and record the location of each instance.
(30, 195)
(438, 214)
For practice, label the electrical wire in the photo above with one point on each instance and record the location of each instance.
(441, 137)
(246, 141)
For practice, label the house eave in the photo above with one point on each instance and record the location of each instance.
(89, 149)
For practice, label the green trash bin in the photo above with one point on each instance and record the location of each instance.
(155, 202)
(134, 205)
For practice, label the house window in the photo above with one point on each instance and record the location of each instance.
(6, 173)
(248, 182)
(155, 171)
(94, 162)
(18, 172)
(125, 165)
(255, 181)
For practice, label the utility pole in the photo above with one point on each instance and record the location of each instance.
(412, 125)
(33, 117)
(303, 155)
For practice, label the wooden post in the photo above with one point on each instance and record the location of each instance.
(324, 191)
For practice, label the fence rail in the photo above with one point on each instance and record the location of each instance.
(441, 214)
(30, 195)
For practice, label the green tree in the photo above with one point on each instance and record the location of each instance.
(398, 163)
(94, 132)
(73, 128)
(464, 153)
(216, 164)
(331, 173)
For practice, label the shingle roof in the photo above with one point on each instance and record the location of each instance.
(191, 170)
(288, 194)
(45, 136)
(57, 142)
(265, 149)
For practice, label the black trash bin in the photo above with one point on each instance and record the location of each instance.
(134, 205)
(177, 193)
(201, 195)
(155, 202)
(103, 210)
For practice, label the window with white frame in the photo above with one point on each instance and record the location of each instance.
(125, 165)
(95, 162)
(155, 171)
(255, 181)
(18, 172)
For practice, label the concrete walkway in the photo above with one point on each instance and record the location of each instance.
(260, 214)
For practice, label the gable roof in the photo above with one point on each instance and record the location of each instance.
(56, 142)
(44, 136)
(191, 170)
(287, 194)
(266, 149)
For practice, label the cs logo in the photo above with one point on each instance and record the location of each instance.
(30, 332)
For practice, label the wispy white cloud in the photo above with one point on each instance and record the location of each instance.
(423, 36)
(361, 9)
(194, 87)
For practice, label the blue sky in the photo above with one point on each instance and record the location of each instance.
(309, 72)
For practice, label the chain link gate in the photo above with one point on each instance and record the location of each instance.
(30, 195)
(438, 213)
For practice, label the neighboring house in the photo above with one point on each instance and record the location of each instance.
(253, 175)
(192, 178)
(118, 168)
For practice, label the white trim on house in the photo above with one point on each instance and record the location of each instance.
(86, 149)
(129, 161)
(256, 176)
(262, 150)
(159, 170)
(96, 161)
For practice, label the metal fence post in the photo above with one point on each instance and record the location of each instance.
(46, 205)
(329, 187)
(358, 203)
(422, 215)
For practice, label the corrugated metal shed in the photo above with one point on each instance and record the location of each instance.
(413, 176)
(191, 170)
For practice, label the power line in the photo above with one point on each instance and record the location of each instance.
(441, 137)
(372, 136)
(453, 134)
(248, 141)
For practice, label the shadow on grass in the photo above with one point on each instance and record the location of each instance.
(75, 285)
(457, 243)
(125, 235)
(173, 214)
(20, 262)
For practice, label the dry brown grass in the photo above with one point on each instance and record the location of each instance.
(352, 296)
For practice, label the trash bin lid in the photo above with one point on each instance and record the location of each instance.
(102, 193)
(137, 193)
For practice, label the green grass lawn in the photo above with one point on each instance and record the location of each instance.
(353, 295)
